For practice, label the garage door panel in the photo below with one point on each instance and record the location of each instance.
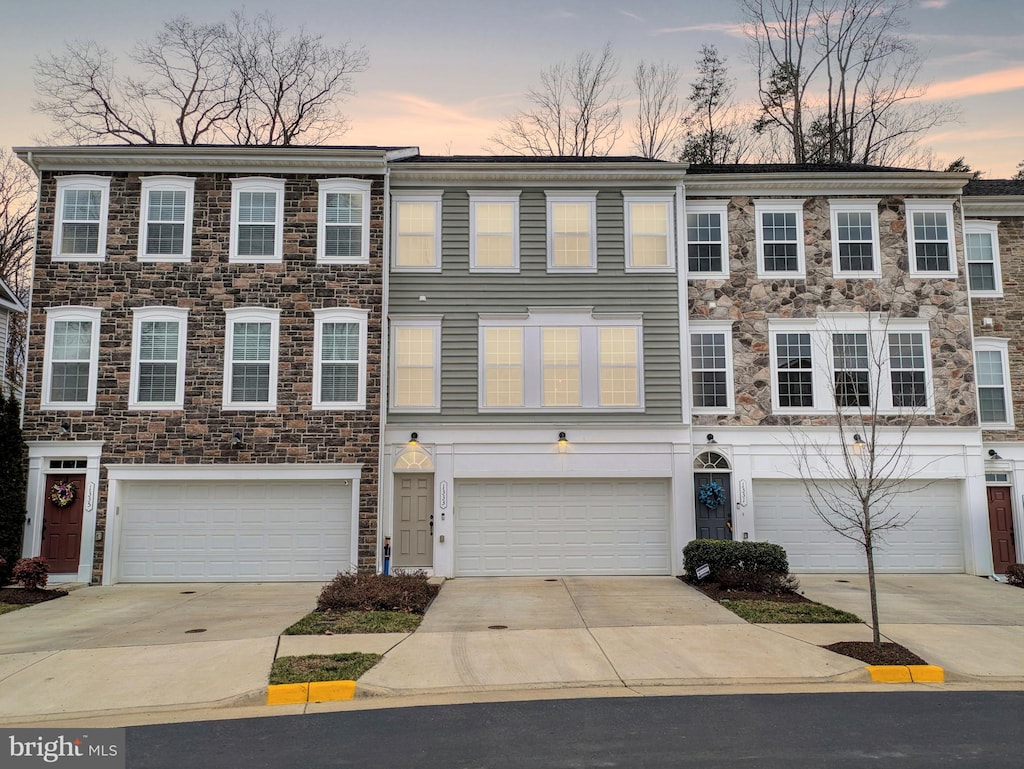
(930, 542)
(234, 531)
(526, 527)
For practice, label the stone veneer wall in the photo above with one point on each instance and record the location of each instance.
(1007, 313)
(749, 302)
(208, 285)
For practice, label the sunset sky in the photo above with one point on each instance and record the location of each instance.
(443, 74)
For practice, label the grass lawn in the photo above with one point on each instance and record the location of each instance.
(335, 623)
(775, 612)
(321, 667)
(6, 607)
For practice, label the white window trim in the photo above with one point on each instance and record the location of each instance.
(250, 315)
(169, 314)
(71, 313)
(588, 323)
(823, 373)
(716, 327)
(780, 206)
(432, 322)
(78, 182)
(976, 227)
(868, 206)
(668, 199)
(920, 205)
(575, 196)
(1001, 346)
(185, 184)
(424, 196)
(720, 207)
(257, 184)
(507, 196)
(357, 186)
(339, 315)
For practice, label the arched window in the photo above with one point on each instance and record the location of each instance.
(414, 460)
(710, 460)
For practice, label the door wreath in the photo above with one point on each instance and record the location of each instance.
(63, 493)
(711, 494)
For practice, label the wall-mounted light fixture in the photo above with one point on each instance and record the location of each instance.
(414, 438)
(65, 429)
(858, 443)
(236, 439)
(563, 442)
(993, 454)
(711, 438)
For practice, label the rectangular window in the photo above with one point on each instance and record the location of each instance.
(710, 353)
(707, 240)
(907, 370)
(619, 372)
(71, 357)
(855, 244)
(561, 356)
(417, 355)
(158, 358)
(650, 240)
(930, 238)
(983, 269)
(572, 224)
(851, 369)
(503, 367)
(250, 377)
(339, 362)
(795, 370)
(81, 218)
(165, 233)
(343, 235)
(417, 244)
(995, 405)
(494, 231)
(780, 238)
(257, 213)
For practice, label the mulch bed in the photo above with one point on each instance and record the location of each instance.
(20, 595)
(716, 592)
(865, 651)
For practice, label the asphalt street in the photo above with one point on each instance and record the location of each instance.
(812, 731)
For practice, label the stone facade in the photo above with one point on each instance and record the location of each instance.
(207, 286)
(749, 302)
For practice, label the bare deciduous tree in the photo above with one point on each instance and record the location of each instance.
(576, 110)
(17, 234)
(713, 130)
(838, 79)
(246, 82)
(658, 123)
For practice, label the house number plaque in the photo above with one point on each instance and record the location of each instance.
(442, 494)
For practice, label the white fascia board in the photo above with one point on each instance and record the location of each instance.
(659, 175)
(994, 205)
(823, 183)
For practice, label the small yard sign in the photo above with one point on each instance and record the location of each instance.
(703, 570)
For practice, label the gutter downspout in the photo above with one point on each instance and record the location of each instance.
(385, 365)
(30, 161)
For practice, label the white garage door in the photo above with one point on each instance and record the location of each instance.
(931, 542)
(234, 531)
(523, 527)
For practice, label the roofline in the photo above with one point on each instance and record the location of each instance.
(828, 183)
(993, 205)
(305, 159)
(559, 172)
(9, 299)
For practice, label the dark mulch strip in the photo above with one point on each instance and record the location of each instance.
(19, 595)
(865, 651)
(716, 592)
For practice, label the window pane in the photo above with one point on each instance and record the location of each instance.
(256, 207)
(339, 382)
(571, 234)
(251, 342)
(415, 346)
(79, 238)
(649, 222)
(166, 206)
(561, 364)
(992, 405)
(852, 372)
(69, 382)
(340, 342)
(250, 382)
(618, 362)
(414, 367)
(931, 241)
(416, 217)
(158, 382)
(82, 205)
(572, 251)
(793, 352)
(906, 364)
(503, 371)
(256, 240)
(165, 239)
(72, 340)
(158, 340)
(344, 208)
(707, 357)
(710, 389)
(494, 218)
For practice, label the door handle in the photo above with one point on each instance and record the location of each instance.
(431, 524)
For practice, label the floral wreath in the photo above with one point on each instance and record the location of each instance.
(63, 493)
(711, 494)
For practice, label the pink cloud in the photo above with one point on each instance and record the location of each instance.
(934, 4)
(996, 81)
(731, 30)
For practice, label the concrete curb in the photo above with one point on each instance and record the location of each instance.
(907, 674)
(314, 691)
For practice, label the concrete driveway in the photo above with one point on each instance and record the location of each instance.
(145, 646)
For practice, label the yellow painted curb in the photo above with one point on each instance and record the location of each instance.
(329, 691)
(315, 691)
(287, 694)
(927, 674)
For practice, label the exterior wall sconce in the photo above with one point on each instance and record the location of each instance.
(993, 454)
(711, 438)
(563, 442)
(858, 443)
(414, 438)
(65, 429)
(236, 439)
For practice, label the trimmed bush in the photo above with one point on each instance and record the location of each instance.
(731, 557)
(13, 480)
(31, 572)
(410, 593)
(1015, 574)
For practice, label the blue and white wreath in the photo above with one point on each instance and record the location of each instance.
(711, 494)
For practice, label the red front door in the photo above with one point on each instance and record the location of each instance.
(1000, 526)
(62, 526)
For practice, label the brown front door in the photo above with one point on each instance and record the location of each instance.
(414, 520)
(1000, 526)
(62, 527)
